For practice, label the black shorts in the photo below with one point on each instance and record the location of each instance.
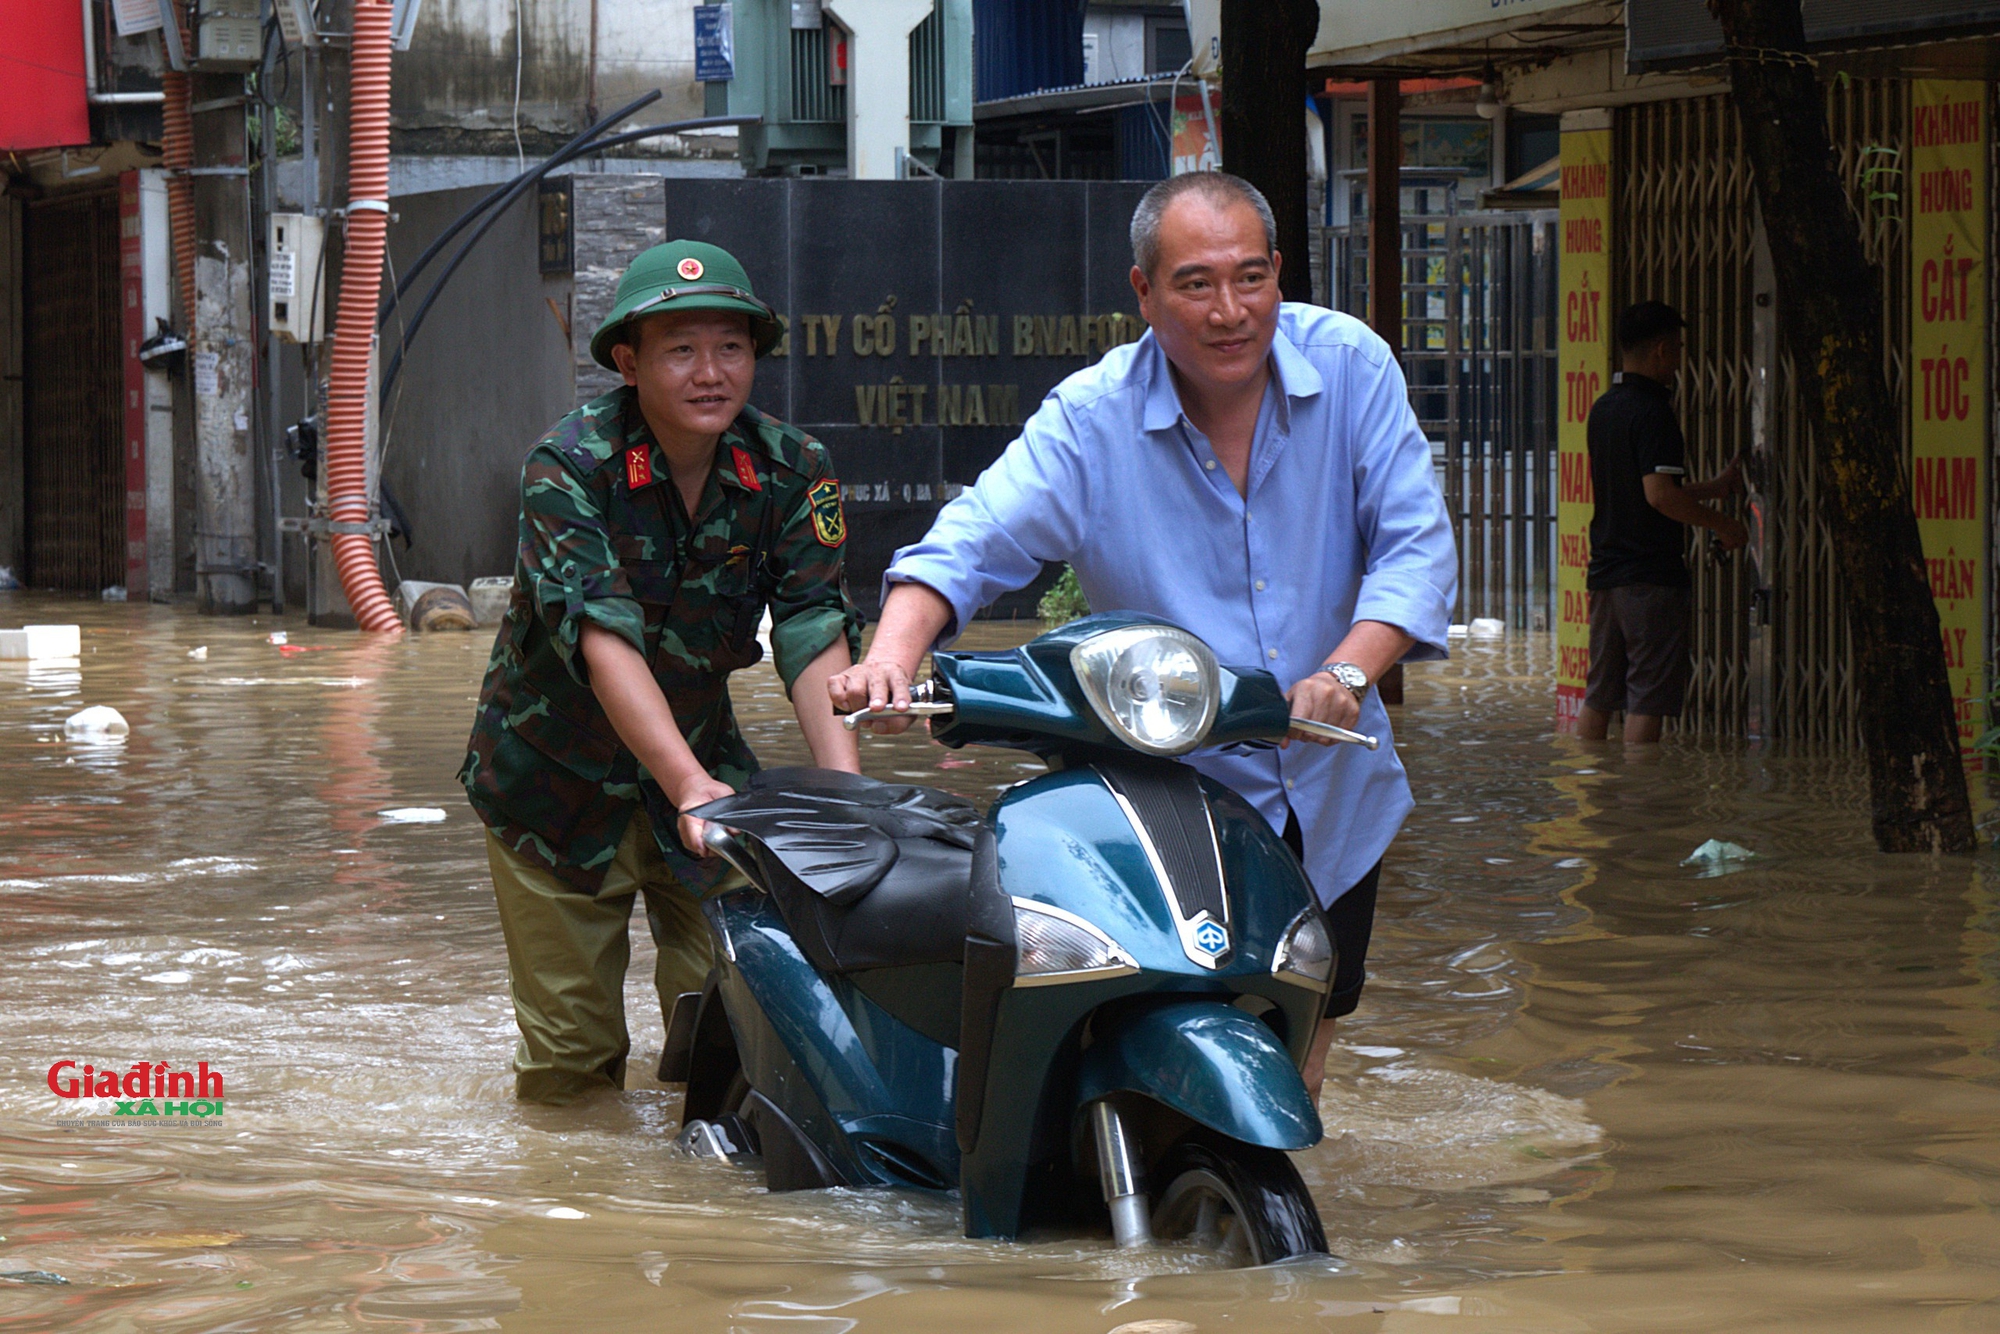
(1349, 923)
(1638, 650)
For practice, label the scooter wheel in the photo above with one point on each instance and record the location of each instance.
(1243, 1202)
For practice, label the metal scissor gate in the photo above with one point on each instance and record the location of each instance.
(1479, 351)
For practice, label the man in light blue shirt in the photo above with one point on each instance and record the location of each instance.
(1250, 470)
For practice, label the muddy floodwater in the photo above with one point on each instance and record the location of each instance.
(1589, 1088)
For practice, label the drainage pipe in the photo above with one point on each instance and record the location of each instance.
(354, 327)
(177, 156)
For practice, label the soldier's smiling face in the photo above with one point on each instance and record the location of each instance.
(693, 371)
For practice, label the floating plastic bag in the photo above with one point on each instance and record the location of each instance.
(1719, 857)
(99, 722)
(412, 815)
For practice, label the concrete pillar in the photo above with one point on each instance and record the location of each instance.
(156, 266)
(326, 604)
(878, 81)
(222, 356)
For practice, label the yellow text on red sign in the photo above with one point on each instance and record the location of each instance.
(1949, 133)
(1584, 358)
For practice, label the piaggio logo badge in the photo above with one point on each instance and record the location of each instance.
(145, 1089)
(1211, 938)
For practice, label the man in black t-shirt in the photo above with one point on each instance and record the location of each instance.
(1638, 577)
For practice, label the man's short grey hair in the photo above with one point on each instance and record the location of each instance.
(1217, 187)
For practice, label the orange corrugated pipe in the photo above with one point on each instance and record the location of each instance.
(354, 328)
(177, 153)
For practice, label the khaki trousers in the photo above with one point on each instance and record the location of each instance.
(566, 958)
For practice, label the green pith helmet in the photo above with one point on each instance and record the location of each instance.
(684, 275)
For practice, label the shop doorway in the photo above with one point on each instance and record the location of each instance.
(74, 410)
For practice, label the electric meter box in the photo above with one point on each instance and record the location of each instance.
(228, 35)
(296, 306)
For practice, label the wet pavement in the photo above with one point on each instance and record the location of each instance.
(1588, 1088)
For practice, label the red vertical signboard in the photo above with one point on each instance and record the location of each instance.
(42, 103)
(1585, 276)
(131, 333)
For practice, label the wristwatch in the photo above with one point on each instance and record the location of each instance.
(1350, 676)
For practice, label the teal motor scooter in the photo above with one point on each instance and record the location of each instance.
(1094, 1000)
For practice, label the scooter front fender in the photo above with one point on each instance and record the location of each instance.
(1214, 1064)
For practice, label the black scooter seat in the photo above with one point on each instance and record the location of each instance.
(866, 874)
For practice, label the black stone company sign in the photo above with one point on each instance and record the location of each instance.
(926, 320)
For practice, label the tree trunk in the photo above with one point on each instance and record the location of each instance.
(1830, 320)
(1264, 45)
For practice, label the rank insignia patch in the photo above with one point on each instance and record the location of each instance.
(638, 467)
(829, 520)
(746, 473)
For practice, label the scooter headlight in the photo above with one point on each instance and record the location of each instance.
(1305, 955)
(1157, 688)
(1056, 946)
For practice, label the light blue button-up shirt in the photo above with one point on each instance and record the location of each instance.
(1342, 522)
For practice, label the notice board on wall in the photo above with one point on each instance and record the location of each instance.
(1583, 355)
(1945, 184)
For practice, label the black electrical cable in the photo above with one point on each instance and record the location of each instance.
(408, 335)
(494, 196)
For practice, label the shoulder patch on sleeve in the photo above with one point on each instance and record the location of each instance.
(829, 519)
(591, 436)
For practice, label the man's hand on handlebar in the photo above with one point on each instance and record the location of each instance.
(1323, 699)
(877, 685)
(697, 791)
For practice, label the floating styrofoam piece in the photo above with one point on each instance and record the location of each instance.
(199, 654)
(1487, 627)
(41, 641)
(412, 815)
(1454, 631)
(115, 593)
(277, 637)
(99, 722)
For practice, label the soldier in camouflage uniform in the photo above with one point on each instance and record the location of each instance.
(657, 524)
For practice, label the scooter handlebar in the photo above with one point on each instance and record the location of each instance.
(916, 710)
(1331, 732)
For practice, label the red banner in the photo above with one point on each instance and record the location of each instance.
(42, 102)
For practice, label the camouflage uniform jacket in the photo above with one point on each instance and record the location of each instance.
(605, 538)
